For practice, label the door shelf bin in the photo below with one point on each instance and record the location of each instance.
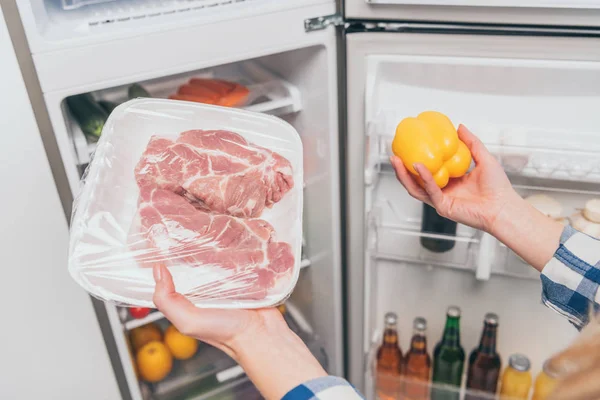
(404, 243)
(526, 152)
(268, 94)
(392, 387)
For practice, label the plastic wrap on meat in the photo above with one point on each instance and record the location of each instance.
(174, 232)
(217, 171)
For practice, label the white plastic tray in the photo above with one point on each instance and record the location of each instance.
(108, 201)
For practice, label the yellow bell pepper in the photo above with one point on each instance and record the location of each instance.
(431, 139)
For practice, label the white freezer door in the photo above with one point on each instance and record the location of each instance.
(578, 13)
(534, 94)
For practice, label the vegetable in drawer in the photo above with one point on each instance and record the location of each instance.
(431, 139)
(90, 116)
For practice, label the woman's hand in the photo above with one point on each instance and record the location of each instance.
(485, 199)
(274, 358)
(476, 199)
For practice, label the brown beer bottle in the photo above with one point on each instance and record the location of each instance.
(389, 361)
(484, 361)
(417, 364)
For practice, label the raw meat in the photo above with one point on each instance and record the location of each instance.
(172, 231)
(217, 171)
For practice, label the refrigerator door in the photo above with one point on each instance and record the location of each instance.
(577, 13)
(532, 100)
(51, 345)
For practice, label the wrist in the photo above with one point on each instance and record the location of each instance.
(275, 358)
(527, 232)
(513, 207)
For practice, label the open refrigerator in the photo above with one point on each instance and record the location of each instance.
(524, 76)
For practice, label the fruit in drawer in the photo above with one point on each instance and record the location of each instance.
(431, 139)
(181, 346)
(139, 312)
(154, 361)
(144, 334)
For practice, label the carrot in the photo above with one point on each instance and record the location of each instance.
(217, 85)
(236, 97)
(199, 91)
(197, 99)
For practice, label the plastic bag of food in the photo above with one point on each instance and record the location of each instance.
(213, 193)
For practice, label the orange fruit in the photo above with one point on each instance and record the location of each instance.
(181, 346)
(144, 334)
(154, 361)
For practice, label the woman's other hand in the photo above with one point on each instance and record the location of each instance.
(485, 199)
(273, 357)
(476, 199)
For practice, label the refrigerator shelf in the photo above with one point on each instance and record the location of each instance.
(395, 231)
(268, 94)
(395, 387)
(209, 370)
(527, 152)
(404, 243)
(210, 373)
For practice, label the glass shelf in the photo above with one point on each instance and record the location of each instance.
(269, 94)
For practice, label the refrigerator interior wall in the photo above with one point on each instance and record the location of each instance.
(298, 86)
(531, 100)
(59, 24)
(577, 13)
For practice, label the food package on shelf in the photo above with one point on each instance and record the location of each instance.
(588, 219)
(212, 193)
(213, 91)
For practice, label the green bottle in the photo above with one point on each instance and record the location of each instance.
(448, 359)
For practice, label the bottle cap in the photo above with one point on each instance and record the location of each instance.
(519, 362)
(391, 318)
(491, 319)
(550, 370)
(420, 324)
(453, 311)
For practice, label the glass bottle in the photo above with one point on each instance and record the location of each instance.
(448, 359)
(417, 364)
(389, 361)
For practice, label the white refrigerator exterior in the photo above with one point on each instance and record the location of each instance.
(51, 344)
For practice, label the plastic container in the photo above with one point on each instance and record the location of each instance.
(129, 217)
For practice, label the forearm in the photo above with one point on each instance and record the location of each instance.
(277, 361)
(527, 232)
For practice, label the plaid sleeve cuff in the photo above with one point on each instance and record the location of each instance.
(570, 280)
(325, 388)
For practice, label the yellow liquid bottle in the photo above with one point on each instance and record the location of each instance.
(516, 379)
(544, 383)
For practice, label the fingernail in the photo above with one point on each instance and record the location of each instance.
(157, 272)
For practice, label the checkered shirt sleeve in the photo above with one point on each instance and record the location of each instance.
(570, 280)
(325, 388)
